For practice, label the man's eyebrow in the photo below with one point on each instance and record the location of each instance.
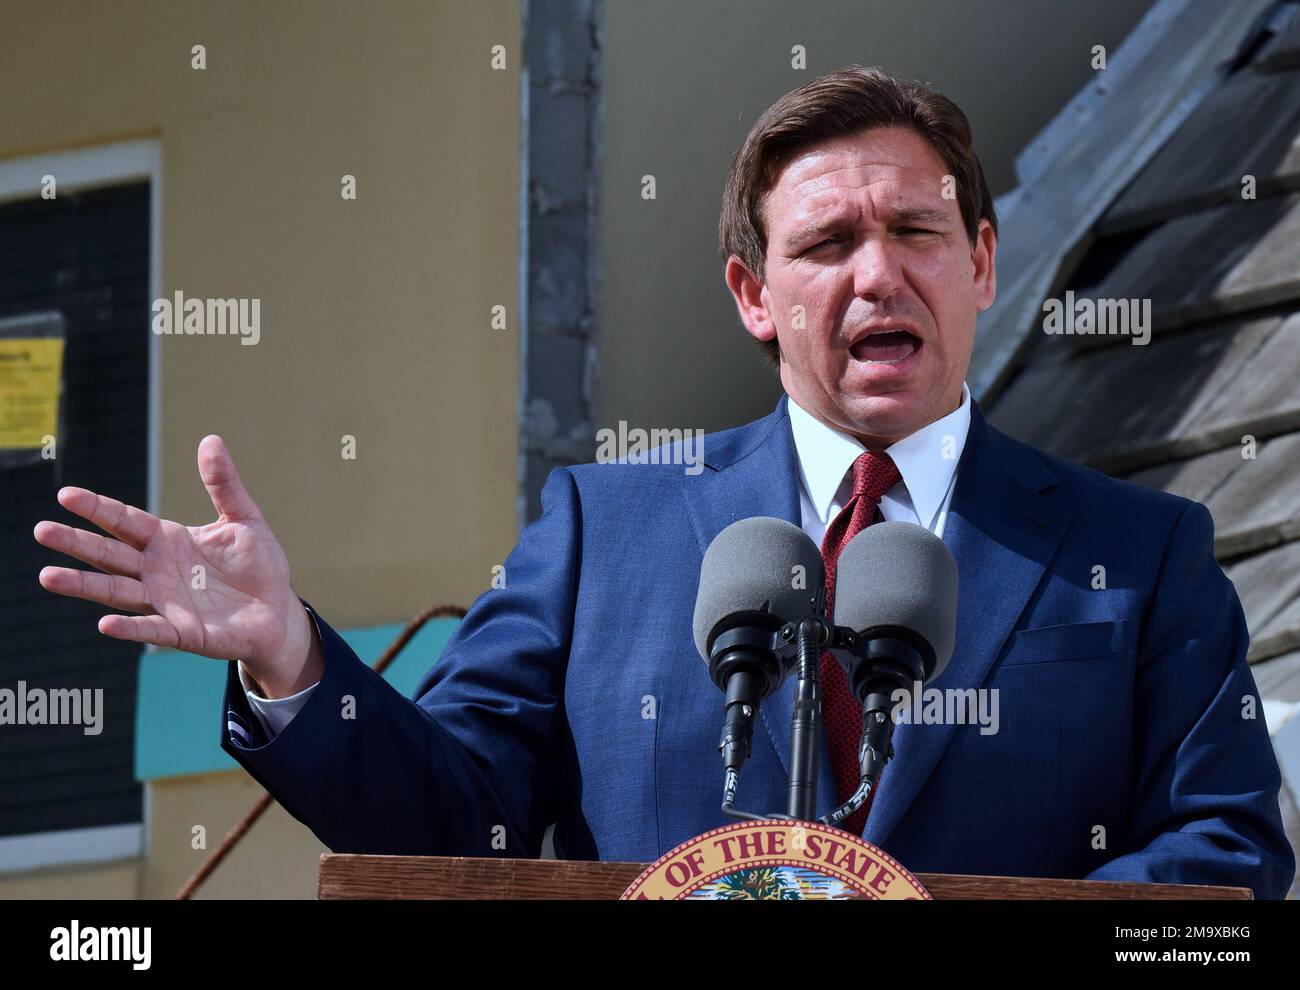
(909, 214)
(921, 214)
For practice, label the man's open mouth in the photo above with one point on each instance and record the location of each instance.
(886, 348)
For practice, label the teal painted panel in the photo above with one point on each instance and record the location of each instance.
(178, 707)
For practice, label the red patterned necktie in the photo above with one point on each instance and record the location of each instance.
(873, 475)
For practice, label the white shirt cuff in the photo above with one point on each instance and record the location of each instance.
(274, 713)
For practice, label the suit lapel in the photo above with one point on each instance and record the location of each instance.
(754, 471)
(1003, 529)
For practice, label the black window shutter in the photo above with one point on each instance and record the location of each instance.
(85, 255)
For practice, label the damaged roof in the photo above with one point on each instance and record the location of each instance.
(1208, 231)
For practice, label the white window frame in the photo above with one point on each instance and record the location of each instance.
(75, 170)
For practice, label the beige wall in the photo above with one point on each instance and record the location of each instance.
(278, 858)
(374, 312)
(106, 882)
(684, 82)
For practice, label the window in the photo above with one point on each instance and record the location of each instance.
(66, 795)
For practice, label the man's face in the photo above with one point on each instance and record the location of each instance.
(872, 284)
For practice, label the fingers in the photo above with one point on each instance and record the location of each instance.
(111, 556)
(140, 629)
(217, 469)
(113, 590)
(130, 525)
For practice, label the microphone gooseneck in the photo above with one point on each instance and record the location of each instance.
(760, 614)
(758, 576)
(896, 593)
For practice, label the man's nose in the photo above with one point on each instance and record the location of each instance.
(876, 269)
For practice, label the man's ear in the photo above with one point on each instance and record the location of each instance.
(984, 254)
(751, 300)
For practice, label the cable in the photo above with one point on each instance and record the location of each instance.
(241, 828)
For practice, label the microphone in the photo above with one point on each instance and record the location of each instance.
(896, 587)
(758, 575)
(896, 590)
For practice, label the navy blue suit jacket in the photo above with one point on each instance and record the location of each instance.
(574, 695)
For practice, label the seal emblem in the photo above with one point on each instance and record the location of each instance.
(776, 859)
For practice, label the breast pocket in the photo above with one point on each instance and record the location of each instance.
(1071, 641)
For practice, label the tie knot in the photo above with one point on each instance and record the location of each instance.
(874, 474)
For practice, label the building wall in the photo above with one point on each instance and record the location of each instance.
(278, 858)
(374, 313)
(101, 882)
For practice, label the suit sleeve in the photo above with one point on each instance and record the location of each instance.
(1205, 803)
(275, 713)
(470, 766)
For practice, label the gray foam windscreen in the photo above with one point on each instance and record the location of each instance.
(751, 567)
(899, 574)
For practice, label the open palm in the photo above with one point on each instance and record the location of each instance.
(220, 590)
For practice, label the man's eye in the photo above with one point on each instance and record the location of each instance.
(829, 240)
(916, 230)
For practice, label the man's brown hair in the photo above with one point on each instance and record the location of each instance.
(840, 103)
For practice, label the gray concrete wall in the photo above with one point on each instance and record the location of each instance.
(685, 80)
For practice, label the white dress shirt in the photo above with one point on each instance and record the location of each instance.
(927, 460)
(275, 713)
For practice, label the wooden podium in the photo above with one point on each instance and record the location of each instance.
(352, 877)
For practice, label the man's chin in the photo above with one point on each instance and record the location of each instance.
(891, 416)
(891, 406)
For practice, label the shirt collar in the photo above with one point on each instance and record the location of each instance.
(926, 459)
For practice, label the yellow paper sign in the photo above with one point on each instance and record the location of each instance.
(30, 371)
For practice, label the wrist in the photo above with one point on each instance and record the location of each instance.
(299, 662)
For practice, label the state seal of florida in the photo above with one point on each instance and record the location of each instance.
(779, 860)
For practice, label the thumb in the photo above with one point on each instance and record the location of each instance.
(217, 470)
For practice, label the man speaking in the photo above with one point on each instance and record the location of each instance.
(860, 244)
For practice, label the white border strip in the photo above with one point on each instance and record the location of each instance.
(79, 168)
(74, 845)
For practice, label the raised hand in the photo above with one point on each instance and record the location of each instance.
(220, 590)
